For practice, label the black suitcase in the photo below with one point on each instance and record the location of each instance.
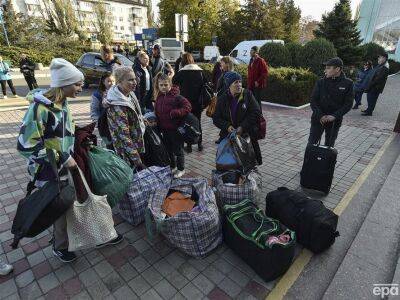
(247, 231)
(314, 224)
(318, 168)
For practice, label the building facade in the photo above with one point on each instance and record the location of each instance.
(127, 17)
(379, 22)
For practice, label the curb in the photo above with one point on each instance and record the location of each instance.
(284, 106)
(20, 76)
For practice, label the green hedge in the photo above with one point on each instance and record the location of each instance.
(315, 53)
(394, 66)
(277, 55)
(12, 54)
(281, 86)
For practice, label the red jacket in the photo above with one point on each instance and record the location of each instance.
(170, 109)
(257, 72)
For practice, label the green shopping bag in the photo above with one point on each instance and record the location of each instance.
(111, 175)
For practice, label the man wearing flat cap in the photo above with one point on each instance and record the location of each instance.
(331, 99)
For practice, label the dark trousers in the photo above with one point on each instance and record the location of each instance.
(317, 130)
(31, 81)
(198, 116)
(257, 95)
(372, 98)
(4, 87)
(174, 144)
(357, 98)
(257, 151)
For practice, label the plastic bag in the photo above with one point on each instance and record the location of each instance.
(244, 151)
(111, 175)
(226, 158)
(156, 154)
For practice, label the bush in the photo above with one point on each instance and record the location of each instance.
(371, 51)
(394, 66)
(12, 54)
(315, 53)
(295, 50)
(276, 55)
(288, 86)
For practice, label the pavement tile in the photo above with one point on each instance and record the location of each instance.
(98, 290)
(245, 296)
(56, 293)
(152, 276)
(190, 291)
(188, 271)
(213, 274)
(64, 273)
(103, 268)
(165, 289)
(256, 289)
(218, 294)
(25, 278)
(94, 257)
(117, 260)
(72, 286)
(48, 282)
(151, 294)
(175, 259)
(164, 267)
(229, 287)
(84, 295)
(124, 293)
(8, 288)
(139, 263)
(30, 248)
(15, 255)
(88, 277)
(239, 277)
(203, 283)
(113, 281)
(30, 292)
(36, 258)
(127, 272)
(80, 265)
(177, 280)
(151, 256)
(223, 266)
(139, 285)
(20, 266)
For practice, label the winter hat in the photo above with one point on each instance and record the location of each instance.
(63, 73)
(230, 77)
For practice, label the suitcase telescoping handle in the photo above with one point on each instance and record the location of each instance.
(330, 136)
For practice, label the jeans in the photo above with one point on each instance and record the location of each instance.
(4, 87)
(174, 144)
(198, 116)
(60, 235)
(31, 81)
(331, 134)
(358, 97)
(372, 98)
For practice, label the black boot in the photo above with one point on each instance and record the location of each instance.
(200, 147)
(355, 106)
(188, 149)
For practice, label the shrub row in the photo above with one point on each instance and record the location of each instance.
(288, 86)
(12, 54)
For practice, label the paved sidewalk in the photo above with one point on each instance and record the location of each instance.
(141, 269)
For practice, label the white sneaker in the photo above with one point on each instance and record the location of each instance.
(5, 268)
(174, 170)
(5, 97)
(14, 96)
(179, 174)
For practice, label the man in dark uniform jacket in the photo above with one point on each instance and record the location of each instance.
(331, 99)
(377, 83)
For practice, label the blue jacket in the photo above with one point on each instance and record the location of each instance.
(363, 78)
(4, 71)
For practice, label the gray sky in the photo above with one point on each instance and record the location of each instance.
(314, 8)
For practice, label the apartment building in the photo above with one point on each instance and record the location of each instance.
(126, 16)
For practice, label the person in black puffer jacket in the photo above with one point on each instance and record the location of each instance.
(331, 99)
(237, 109)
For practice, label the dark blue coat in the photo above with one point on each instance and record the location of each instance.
(363, 78)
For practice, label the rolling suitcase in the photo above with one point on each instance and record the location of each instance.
(318, 167)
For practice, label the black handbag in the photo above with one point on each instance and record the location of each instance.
(40, 209)
(206, 93)
(314, 224)
(156, 154)
(190, 129)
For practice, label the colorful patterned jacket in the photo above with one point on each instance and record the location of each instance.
(46, 125)
(126, 124)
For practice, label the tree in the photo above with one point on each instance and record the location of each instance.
(371, 51)
(277, 55)
(60, 17)
(229, 15)
(291, 21)
(307, 27)
(103, 23)
(339, 28)
(295, 50)
(315, 53)
(150, 15)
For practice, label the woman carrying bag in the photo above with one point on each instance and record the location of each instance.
(48, 126)
(5, 78)
(237, 110)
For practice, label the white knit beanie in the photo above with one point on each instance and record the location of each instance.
(63, 73)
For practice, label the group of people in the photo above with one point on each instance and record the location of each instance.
(128, 97)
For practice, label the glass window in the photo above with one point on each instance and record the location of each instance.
(88, 59)
(234, 53)
(170, 43)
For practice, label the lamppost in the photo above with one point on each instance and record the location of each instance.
(4, 27)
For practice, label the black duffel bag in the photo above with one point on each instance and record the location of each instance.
(314, 224)
(40, 209)
(156, 154)
(257, 239)
(189, 129)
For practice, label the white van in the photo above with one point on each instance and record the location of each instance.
(210, 52)
(242, 50)
(170, 48)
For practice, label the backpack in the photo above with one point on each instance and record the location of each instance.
(314, 224)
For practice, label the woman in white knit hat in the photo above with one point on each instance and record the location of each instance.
(48, 125)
